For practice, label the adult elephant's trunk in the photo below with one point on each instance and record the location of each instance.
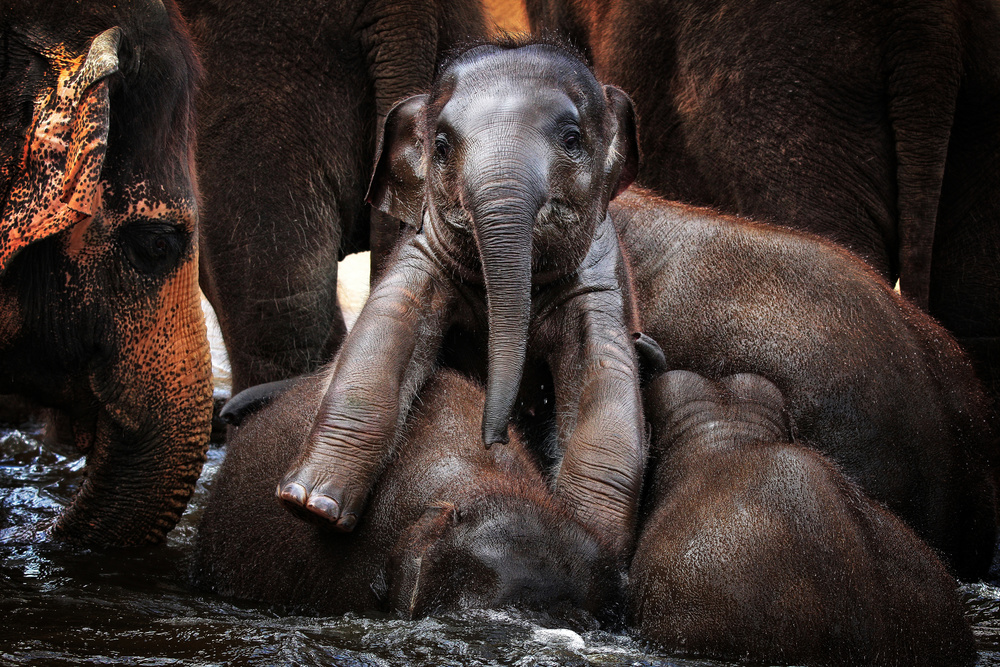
(152, 427)
(504, 198)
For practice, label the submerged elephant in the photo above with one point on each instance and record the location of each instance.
(101, 318)
(450, 524)
(288, 112)
(523, 178)
(757, 548)
(870, 123)
(521, 150)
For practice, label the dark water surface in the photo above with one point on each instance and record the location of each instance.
(64, 606)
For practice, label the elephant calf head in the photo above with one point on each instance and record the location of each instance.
(101, 316)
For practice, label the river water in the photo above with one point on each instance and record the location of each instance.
(67, 606)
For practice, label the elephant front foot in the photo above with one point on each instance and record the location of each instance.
(318, 499)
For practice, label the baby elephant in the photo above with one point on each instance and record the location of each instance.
(450, 524)
(758, 548)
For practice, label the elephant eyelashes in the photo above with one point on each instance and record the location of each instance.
(442, 149)
(571, 140)
(153, 248)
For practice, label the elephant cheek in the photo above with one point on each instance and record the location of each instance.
(11, 318)
(153, 426)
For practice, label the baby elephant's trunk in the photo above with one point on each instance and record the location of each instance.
(504, 199)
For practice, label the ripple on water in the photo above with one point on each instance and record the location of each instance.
(67, 606)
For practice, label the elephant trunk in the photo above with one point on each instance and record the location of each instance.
(504, 202)
(136, 487)
(152, 428)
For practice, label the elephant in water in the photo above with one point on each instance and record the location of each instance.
(873, 124)
(288, 116)
(516, 262)
(450, 524)
(758, 548)
(100, 316)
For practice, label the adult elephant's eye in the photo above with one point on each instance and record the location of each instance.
(442, 149)
(153, 247)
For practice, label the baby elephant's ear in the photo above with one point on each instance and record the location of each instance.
(58, 184)
(623, 158)
(397, 186)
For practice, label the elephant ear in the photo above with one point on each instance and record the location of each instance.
(58, 182)
(397, 185)
(623, 156)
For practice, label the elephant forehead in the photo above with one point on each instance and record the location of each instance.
(529, 73)
(472, 107)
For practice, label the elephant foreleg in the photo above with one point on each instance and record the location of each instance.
(599, 404)
(388, 355)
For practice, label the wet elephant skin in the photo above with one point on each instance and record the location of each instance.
(510, 246)
(758, 548)
(871, 381)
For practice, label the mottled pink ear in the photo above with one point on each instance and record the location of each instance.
(623, 158)
(397, 185)
(58, 182)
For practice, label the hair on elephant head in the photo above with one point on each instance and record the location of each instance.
(450, 524)
(98, 254)
(504, 171)
(758, 548)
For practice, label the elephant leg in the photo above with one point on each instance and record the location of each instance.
(384, 361)
(598, 402)
(278, 323)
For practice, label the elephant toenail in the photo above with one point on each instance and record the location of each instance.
(292, 493)
(324, 506)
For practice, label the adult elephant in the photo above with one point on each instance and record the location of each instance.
(100, 317)
(293, 96)
(870, 123)
(514, 243)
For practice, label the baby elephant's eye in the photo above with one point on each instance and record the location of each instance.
(442, 149)
(571, 140)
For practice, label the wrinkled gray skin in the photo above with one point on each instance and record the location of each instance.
(293, 95)
(450, 524)
(871, 381)
(521, 149)
(757, 548)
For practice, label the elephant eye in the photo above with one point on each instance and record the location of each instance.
(442, 149)
(153, 247)
(571, 140)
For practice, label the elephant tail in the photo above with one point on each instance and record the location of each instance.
(924, 61)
